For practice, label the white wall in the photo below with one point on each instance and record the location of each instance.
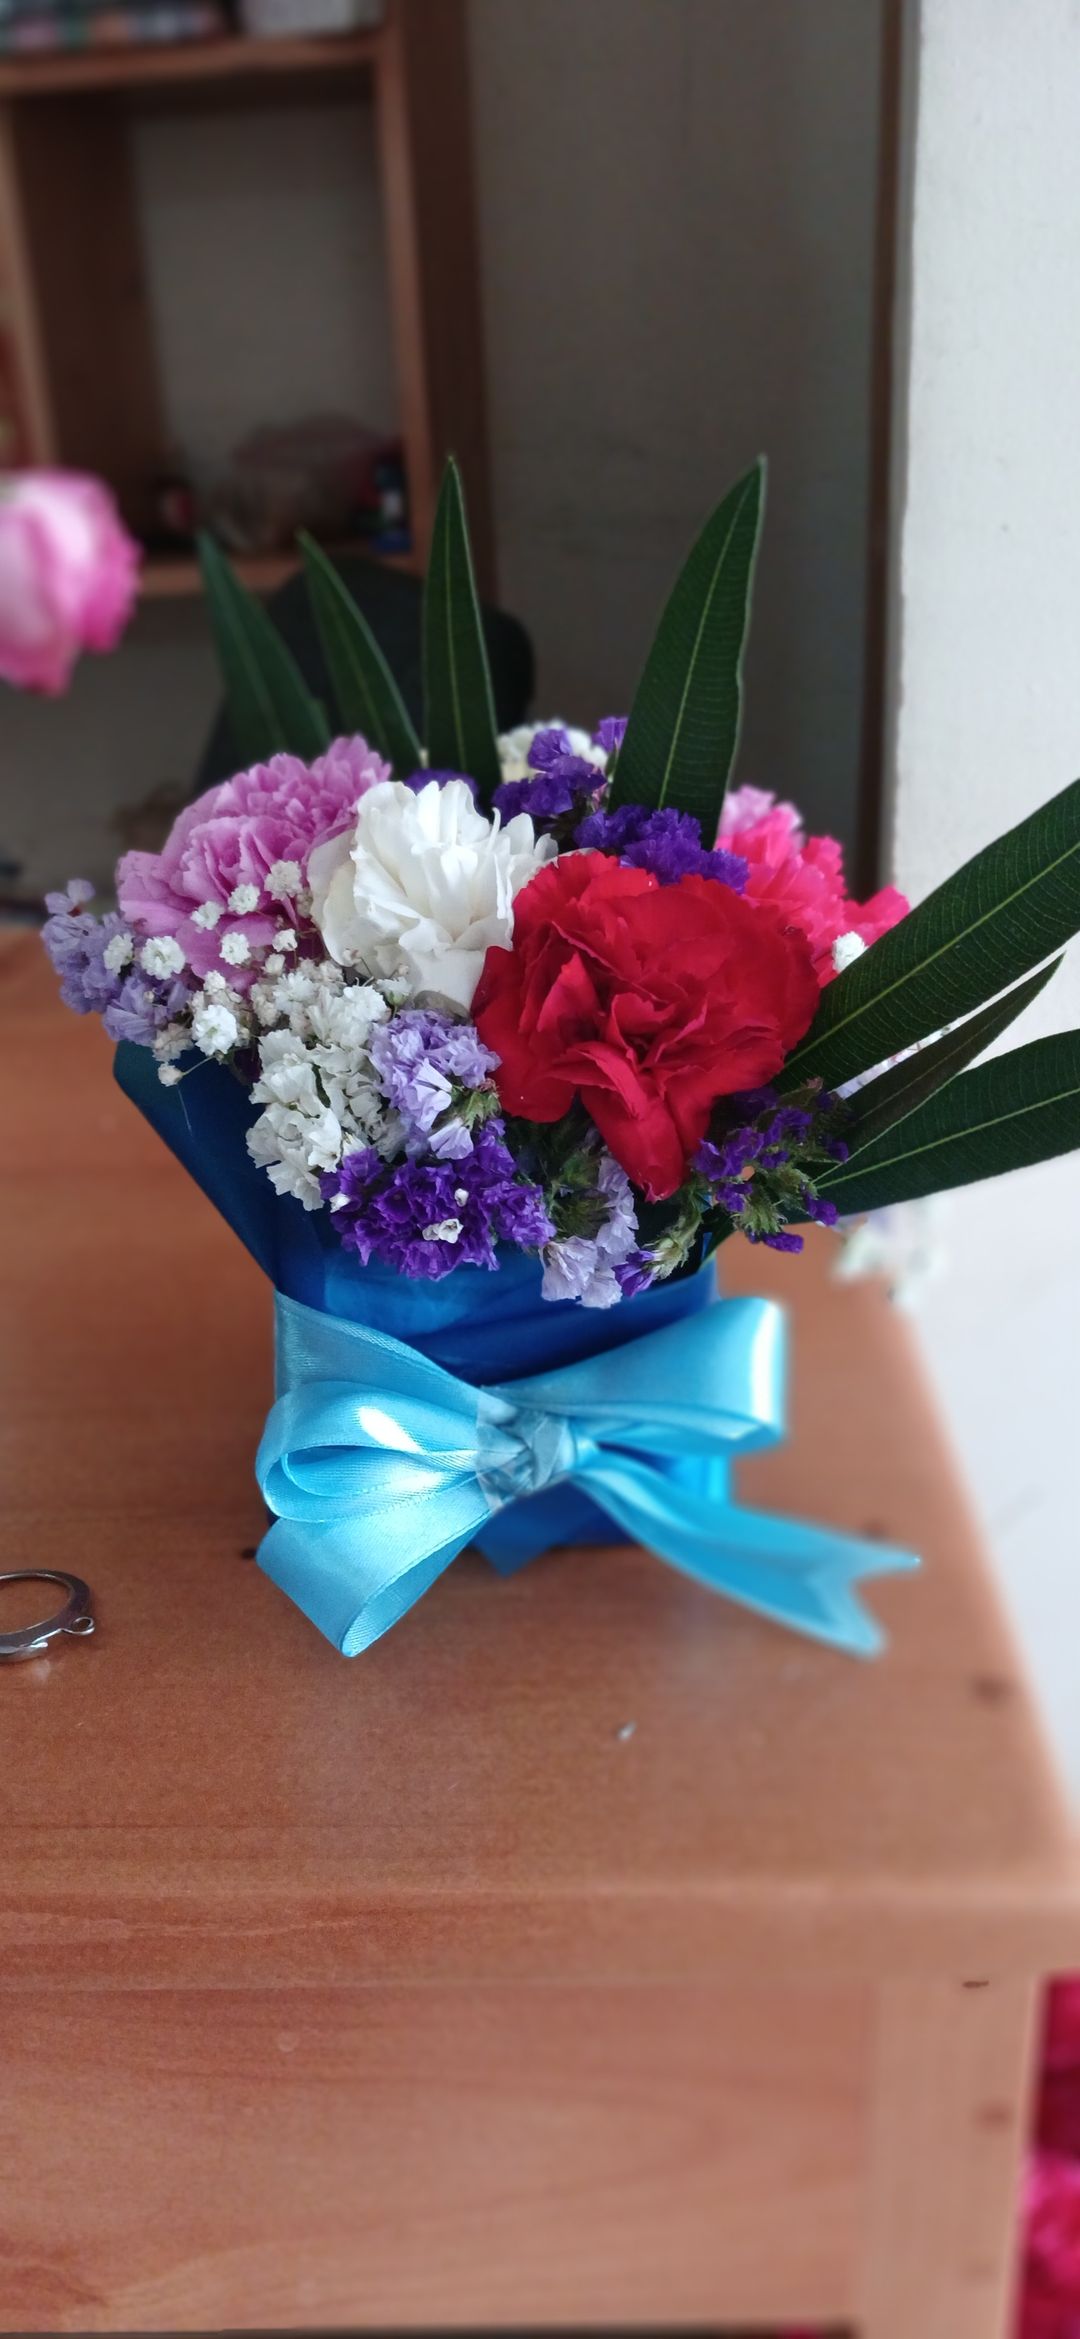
(676, 203)
(987, 714)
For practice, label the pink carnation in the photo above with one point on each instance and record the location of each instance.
(802, 876)
(68, 575)
(234, 835)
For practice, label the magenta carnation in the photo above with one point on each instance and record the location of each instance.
(801, 876)
(233, 836)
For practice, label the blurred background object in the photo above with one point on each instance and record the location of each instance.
(213, 246)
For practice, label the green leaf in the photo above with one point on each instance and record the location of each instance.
(270, 707)
(900, 1091)
(1012, 905)
(459, 710)
(684, 723)
(368, 698)
(1018, 1109)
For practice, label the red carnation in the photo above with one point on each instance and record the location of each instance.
(647, 1001)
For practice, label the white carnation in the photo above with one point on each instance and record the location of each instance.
(424, 881)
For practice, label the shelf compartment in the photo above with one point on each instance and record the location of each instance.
(104, 72)
(73, 301)
(169, 576)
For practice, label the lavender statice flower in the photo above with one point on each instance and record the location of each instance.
(666, 842)
(604, 1265)
(95, 959)
(425, 1218)
(559, 783)
(423, 1062)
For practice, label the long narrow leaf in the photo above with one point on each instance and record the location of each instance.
(995, 919)
(367, 697)
(684, 723)
(459, 709)
(270, 706)
(1018, 1109)
(906, 1086)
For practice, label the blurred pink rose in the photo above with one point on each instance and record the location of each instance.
(68, 575)
(231, 841)
(802, 876)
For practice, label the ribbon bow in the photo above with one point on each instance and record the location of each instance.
(380, 1467)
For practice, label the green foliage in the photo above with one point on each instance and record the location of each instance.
(367, 697)
(684, 723)
(459, 710)
(907, 1085)
(1018, 1109)
(1012, 905)
(270, 707)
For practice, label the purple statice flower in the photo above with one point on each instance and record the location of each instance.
(587, 1267)
(420, 1057)
(610, 733)
(95, 959)
(666, 842)
(559, 783)
(427, 1217)
(762, 1169)
(635, 1273)
(731, 1156)
(820, 1209)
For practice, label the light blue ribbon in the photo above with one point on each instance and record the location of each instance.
(380, 1467)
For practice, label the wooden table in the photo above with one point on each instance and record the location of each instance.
(585, 1953)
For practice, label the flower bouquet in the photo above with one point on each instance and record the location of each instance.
(484, 1046)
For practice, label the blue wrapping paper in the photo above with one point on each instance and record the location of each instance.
(499, 1418)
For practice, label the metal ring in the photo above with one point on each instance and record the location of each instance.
(74, 1618)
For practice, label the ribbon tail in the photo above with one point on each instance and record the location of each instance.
(353, 1586)
(781, 1568)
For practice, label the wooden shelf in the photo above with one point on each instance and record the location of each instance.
(77, 320)
(168, 576)
(101, 71)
